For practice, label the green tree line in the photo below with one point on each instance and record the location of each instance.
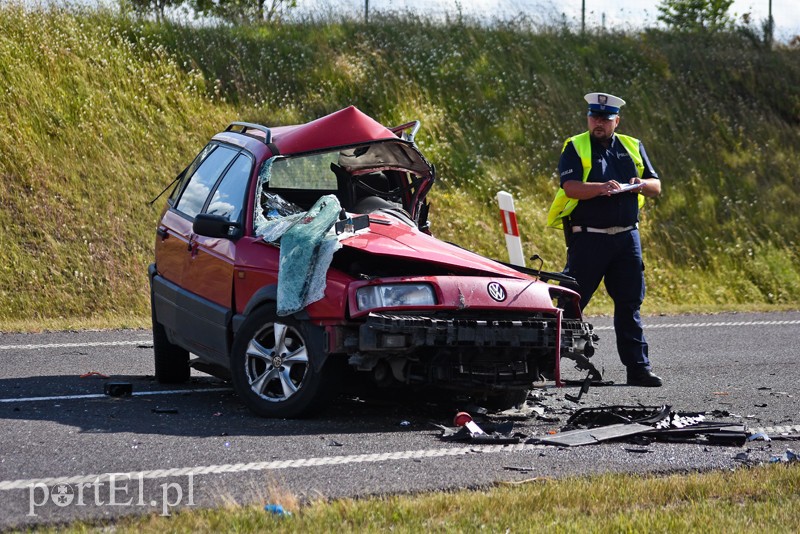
(677, 15)
(234, 11)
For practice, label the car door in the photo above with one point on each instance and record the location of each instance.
(183, 303)
(174, 228)
(209, 271)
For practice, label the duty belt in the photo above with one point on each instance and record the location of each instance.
(610, 231)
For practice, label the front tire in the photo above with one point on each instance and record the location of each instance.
(277, 366)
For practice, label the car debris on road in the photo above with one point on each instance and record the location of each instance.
(788, 456)
(642, 425)
(118, 389)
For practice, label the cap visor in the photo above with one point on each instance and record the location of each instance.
(607, 116)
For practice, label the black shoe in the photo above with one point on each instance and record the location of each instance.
(643, 378)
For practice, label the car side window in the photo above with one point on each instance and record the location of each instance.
(228, 198)
(189, 171)
(202, 181)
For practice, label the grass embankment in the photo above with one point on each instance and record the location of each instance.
(99, 113)
(94, 124)
(766, 499)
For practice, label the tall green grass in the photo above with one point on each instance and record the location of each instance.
(101, 111)
(93, 123)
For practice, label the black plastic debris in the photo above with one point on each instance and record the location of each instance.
(642, 425)
(118, 389)
(608, 415)
(158, 409)
(707, 432)
(590, 436)
(584, 389)
(719, 413)
(595, 383)
(582, 363)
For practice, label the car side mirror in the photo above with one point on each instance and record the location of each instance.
(209, 225)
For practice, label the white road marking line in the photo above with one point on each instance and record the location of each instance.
(6, 485)
(103, 395)
(144, 343)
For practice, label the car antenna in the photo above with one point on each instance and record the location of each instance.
(168, 186)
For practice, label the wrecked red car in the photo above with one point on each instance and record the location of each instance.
(288, 256)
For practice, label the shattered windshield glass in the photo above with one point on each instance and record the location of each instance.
(306, 172)
(285, 177)
(313, 171)
(270, 206)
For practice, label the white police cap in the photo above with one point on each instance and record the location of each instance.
(604, 104)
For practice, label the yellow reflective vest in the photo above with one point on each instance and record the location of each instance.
(563, 205)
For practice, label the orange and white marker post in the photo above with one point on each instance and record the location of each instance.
(509, 217)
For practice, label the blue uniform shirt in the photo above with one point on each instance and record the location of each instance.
(612, 163)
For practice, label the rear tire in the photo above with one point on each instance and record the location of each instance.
(275, 366)
(171, 361)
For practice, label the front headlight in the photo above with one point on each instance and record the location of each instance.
(388, 296)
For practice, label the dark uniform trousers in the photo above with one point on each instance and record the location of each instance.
(617, 258)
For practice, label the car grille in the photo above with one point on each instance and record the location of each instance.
(531, 332)
(469, 350)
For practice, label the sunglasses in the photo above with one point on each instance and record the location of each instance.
(602, 116)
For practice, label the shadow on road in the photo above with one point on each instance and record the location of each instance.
(196, 411)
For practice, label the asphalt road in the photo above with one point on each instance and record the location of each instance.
(69, 451)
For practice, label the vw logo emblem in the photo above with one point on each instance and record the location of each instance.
(496, 291)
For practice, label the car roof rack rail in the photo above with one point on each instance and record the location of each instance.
(400, 130)
(245, 127)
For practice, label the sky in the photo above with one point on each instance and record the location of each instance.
(620, 14)
(786, 13)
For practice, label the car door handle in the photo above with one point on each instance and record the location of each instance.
(162, 233)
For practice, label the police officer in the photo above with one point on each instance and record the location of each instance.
(604, 179)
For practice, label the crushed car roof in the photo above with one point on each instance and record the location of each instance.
(345, 127)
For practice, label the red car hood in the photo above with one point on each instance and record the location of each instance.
(400, 240)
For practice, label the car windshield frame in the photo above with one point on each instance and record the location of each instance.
(391, 154)
(312, 170)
